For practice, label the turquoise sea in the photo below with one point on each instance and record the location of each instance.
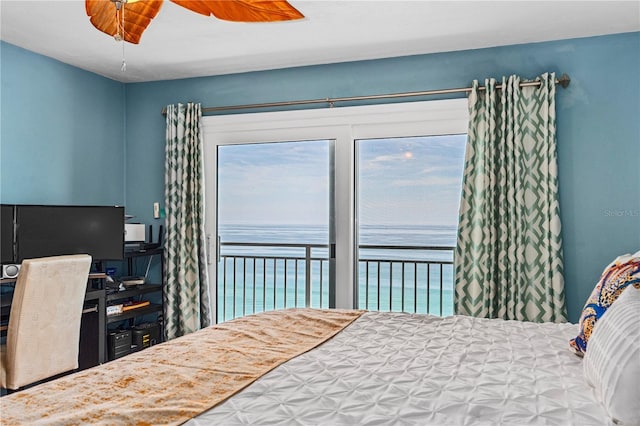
(272, 275)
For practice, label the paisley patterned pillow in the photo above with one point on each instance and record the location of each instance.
(622, 272)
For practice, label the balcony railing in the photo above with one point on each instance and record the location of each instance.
(390, 278)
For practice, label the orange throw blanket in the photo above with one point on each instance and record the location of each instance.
(174, 381)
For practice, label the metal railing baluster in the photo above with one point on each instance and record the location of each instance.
(234, 287)
(415, 287)
(441, 289)
(366, 280)
(244, 285)
(307, 277)
(402, 287)
(378, 307)
(390, 286)
(224, 288)
(295, 286)
(321, 281)
(428, 286)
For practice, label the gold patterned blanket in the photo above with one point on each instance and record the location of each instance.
(174, 381)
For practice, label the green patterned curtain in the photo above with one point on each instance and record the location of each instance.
(186, 285)
(508, 260)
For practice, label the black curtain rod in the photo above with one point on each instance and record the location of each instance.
(563, 81)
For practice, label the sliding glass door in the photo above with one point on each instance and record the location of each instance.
(274, 226)
(342, 207)
(408, 192)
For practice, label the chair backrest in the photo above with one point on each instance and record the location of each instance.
(44, 324)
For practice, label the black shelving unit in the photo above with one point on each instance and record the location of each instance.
(137, 293)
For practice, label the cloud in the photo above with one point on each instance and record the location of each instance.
(428, 181)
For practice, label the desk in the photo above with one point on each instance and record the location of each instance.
(93, 326)
(92, 342)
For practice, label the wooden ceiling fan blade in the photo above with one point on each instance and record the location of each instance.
(137, 17)
(244, 10)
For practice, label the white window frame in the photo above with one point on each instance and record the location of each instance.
(344, 125)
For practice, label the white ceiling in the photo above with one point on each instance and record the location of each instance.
(180, 44)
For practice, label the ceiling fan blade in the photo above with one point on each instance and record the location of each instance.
(137, 16)
(243, 10)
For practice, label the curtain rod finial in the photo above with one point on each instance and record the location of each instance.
(564, 80)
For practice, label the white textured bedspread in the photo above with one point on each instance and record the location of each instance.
(396, 368)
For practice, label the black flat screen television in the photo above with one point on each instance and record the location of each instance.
(58, 230)
(6, 234)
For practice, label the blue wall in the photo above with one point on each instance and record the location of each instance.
(62, 134)
(80, 132)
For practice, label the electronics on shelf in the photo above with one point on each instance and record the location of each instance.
(132, 281)
(119, 343)
(136, 238)
(125, 341)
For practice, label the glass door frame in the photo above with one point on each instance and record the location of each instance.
(344, 125)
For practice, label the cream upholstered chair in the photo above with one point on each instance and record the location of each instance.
(44, 322)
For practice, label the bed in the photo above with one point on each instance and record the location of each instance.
(352, 367)
(396, 368)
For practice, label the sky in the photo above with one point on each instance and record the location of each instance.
(400, 181)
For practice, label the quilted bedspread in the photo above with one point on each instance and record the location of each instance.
(174, 381)
(412, 369)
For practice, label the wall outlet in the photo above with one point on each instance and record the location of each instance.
(156, 210)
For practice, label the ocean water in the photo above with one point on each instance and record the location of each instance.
(266, 277)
